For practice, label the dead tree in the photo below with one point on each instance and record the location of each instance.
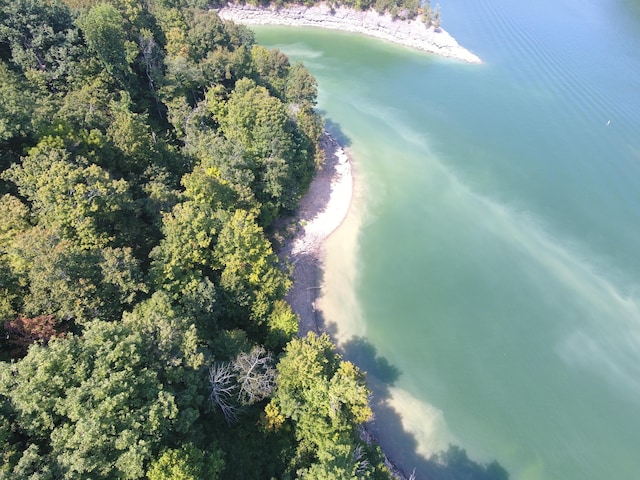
(224, 390)
(255, 374)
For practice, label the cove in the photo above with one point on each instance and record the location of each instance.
(487, 275)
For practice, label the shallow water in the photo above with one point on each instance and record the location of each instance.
(487, 276)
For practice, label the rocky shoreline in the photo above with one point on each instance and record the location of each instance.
(410, 33)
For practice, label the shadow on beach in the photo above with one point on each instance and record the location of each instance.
(399, 445)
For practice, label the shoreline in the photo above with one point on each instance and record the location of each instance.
(409, 33)
(320, 213)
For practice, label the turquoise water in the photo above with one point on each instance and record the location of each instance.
(489, 265)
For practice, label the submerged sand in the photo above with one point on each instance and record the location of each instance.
(321, 211)
(410, 33)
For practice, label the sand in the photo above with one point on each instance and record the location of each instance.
(410, 33)
(321, 211)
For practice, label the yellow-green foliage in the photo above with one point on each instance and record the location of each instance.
(146, 150)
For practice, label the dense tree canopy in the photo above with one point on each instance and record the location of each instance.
(146, 149)
(324, 398)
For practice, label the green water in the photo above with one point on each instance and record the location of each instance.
(487, 276)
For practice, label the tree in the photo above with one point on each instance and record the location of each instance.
(259, 122)
(272, 68)
(104, 34)
(251, 276)
(223, 168)
(186, 463)
(174, 339)
(23, 332)
(205, 185)
(74, 284)
(247, 379)
(11, 291)
(206, 33)
(176, 350)
(255, 375)
(77, 199)
(185, 255)
(325, 398)
(436, 18)
(282, 325)
(42, 40)
(16, 107)
(102, 409)
(301, 87)
(86, 108)
(223, 389)
(14, 221)
(431, 16)
(130, 134)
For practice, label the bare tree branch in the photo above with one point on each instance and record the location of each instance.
(224, 390)
(255, 375)
(248, 379)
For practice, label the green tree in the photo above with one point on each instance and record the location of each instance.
(431, 16)
(326, 398)
(272, 69)
(14, 221)
(251, 275)
(130, 134)
(206, 33)
(205, 186)
(176, 350)
(259, 122)
(282, 325)
(77, 199)
(301, 87)
(186, 463)
(74, 284)
(16, 107)
(104, 34)
(87, 107)
(436, 18)
(185, 255)
(42, 40)
(225, 166)
(102, 410)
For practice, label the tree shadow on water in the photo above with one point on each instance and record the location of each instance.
(399, 445)
(363, 354)
(335, 130)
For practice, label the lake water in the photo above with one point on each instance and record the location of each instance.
(488, 274)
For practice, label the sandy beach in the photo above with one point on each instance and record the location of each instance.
(320, 213)
(413, 33)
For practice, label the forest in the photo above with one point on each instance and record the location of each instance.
(146, 150)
